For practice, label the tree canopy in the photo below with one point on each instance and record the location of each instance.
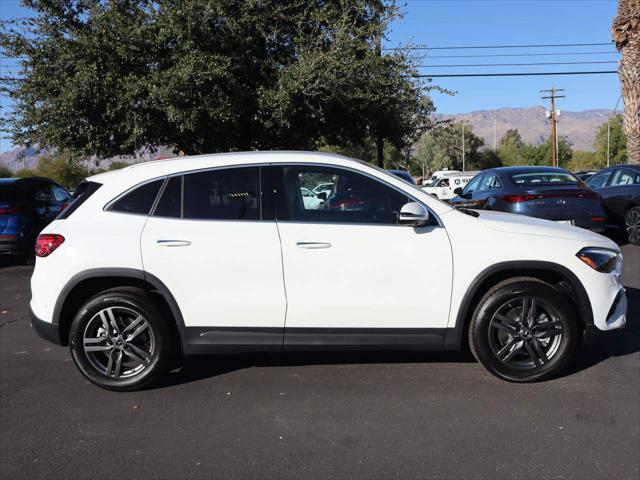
(108, 78)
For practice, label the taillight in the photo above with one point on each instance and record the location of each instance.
(64, 206)
(526, 198)
(519, 198)
(10, 210)
(47, 243)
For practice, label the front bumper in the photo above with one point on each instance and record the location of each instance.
(617, 317)
(46, 330)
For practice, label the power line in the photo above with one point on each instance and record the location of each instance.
(524, 54)
(465, 47)
(511, 64)
(523, 74)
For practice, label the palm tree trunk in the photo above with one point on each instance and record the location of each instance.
(626, 35)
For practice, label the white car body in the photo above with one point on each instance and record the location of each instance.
(311, 199)
(250, 282)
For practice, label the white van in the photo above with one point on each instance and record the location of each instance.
(444, 186)
(437, 175)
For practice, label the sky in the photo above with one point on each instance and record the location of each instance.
(454, 23)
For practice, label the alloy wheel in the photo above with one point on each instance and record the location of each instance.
(632, 224)
(525, 333)
(119, 342)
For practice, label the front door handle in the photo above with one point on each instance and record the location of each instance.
(313, 245)
(173, 243)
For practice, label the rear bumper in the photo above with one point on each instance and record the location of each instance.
(11, 247)
(46, 330)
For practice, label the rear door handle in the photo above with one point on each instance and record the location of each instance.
(313, 245)
(173, 243)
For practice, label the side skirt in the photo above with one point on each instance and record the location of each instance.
(212, 340)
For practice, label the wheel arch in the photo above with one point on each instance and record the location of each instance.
(555, 274)
(91, 282)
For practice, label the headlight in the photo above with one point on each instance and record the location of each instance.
(601, 259)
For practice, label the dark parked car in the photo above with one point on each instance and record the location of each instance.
(551, 193)
(619, 188)
(404, 175)
(27, 205)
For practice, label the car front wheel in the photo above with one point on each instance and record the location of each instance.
(120, 341)
(632, 225)
(523, 330)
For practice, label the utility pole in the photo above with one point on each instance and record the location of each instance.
(495, 136)
(554, 121)
(463, 169)
(379, 138)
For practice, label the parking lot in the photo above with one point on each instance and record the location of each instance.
(361, 415)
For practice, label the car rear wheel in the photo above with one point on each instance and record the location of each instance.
(120, 341)
(523, 330)
(632, 225)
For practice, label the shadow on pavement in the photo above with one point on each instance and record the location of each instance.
(597, 347)
(201, 367)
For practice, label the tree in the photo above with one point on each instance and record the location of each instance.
(617, 142)
(583, 161)
(5, 172)
(545, 152)
(441, 148)
(111, 77)
(62, 169)
(511, 139)
(25, 172)
(626, 35)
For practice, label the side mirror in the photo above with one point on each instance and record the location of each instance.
(413, 214)
(458, 191)
(322, 196)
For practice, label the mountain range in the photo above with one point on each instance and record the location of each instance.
(579, 127)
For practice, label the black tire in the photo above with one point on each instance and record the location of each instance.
(153, 343)
(632, 225)
(526, 351)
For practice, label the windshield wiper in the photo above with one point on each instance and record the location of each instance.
(467, 211)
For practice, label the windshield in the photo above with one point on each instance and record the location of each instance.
(543, 178)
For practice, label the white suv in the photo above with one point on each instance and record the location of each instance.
(220, 253)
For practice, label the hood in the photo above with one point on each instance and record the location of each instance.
(522, 224)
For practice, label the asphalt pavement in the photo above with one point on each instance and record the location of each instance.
(364, 415)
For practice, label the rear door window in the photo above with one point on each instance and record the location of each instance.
(226, 194)
(170, 203)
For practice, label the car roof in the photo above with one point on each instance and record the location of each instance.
(24, 179)
(159, 168)
(525, 169)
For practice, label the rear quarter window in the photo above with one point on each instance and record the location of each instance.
(81, 195)
(139, 200)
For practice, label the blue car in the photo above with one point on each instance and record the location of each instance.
(27, 205)
(404, 175)
(551, 193)
(619, 188)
